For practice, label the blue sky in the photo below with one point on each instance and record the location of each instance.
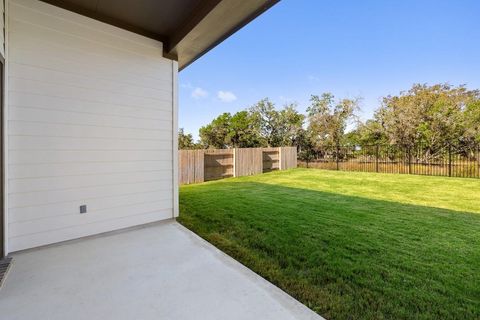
(368, 49)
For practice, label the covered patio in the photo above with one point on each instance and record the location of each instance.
(89, 192)
(158, 271)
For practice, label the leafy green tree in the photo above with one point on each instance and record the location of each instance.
(290, 126)
(369, 132)
(185, 141)
(227, 131)
(471, 120)
(305, 147)
(328, 119)
(277, 128)
(243, 133)
(267, 121)
(434, 116)
(217, 133)
(428, 115)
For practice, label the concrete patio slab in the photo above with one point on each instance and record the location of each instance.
(161, 271)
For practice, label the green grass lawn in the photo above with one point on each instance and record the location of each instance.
(350, 245)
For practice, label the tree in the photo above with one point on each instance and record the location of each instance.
(267, 120)
(290, 125)
(227, 131)
(305, 147)
(369, 132)
(185, 141)
(434, 116)
(471, 120)
(277, 128)
(217, 133)
(243, 132)
(328, 119)
(429, 115)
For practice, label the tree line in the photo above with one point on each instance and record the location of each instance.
(434, 116)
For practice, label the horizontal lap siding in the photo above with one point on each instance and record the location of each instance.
(89, 122)
(2, 28)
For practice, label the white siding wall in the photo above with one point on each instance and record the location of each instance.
(90, 121)
(2, 28)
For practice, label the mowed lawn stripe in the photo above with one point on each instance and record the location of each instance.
(350, 245)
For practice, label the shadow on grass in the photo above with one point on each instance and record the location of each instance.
(345, 257)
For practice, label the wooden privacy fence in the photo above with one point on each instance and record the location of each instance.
(196, 166)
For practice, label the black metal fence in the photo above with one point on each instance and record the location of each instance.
(449, 161)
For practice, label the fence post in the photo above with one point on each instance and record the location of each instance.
(336, 156)
(478, 161)
(376, 158)
(280, 158)
(201, 165)
(409, 155)
(234, 162)
(449, 160)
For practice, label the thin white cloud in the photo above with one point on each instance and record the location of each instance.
(226, 96)
(199, 93)
(313, 78)
(187, 85)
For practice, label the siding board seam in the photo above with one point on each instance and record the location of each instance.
(87, 138)
(86, 76)
(81, 20)
(84, 25)
(86, 150)
(93, 64)
(86, 175)
(117, 49)
(89, 223)
(87, 125)
(57, 84)
(91, 198)
(82, 162)
(159, 200)
(85, 187)
(90, 113)
(90, 101)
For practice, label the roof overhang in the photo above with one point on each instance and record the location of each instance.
(187, 28)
